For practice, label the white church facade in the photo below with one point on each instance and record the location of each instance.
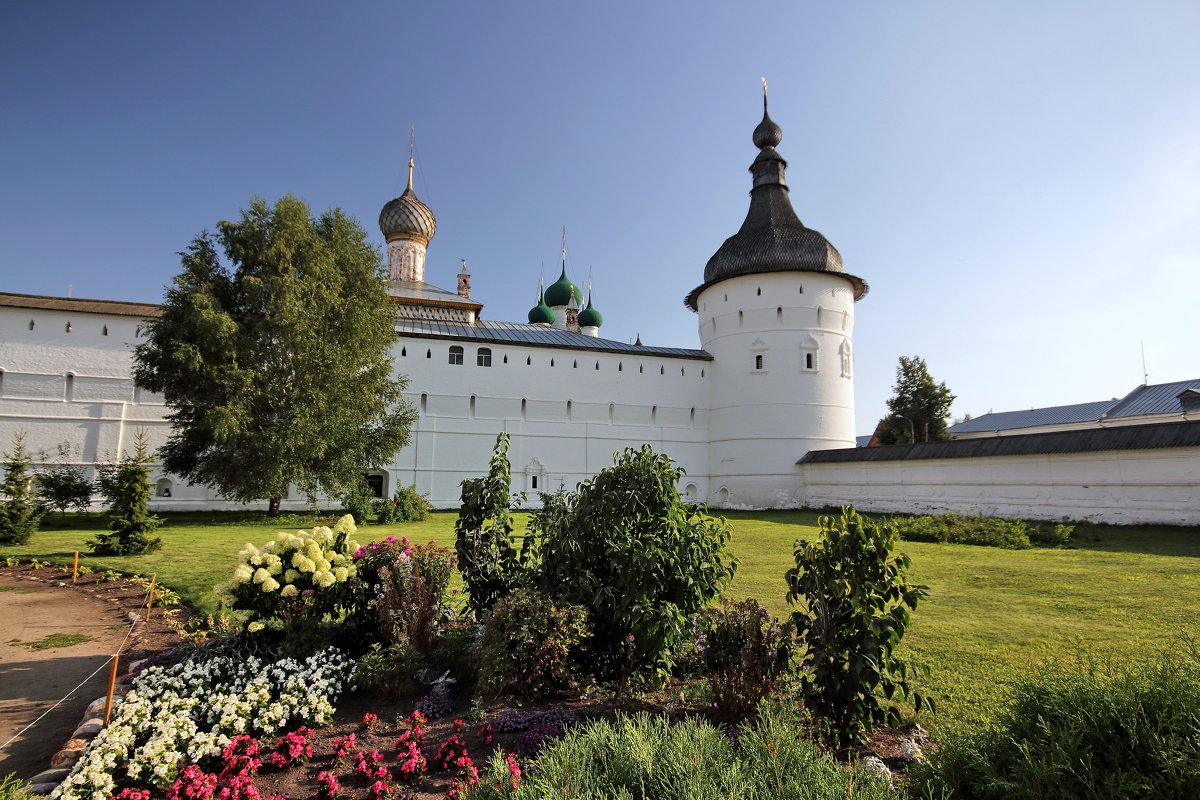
(771, 380)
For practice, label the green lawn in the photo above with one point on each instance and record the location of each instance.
(1120, 593)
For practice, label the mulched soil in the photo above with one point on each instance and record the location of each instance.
(300, 782)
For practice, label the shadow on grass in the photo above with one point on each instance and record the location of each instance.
(1159, 540)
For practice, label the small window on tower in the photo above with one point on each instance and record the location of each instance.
(456, 355)
(808, 360)
(506, 359)
(484, 357)
(528, 361)
(104, 331)
(429, 354)
(533, 481)
(758, 362)
(30, 324)
(403, 352)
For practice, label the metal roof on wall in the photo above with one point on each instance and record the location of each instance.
(536, 336)
(1124, 437)
(1157, 398)
(79, 304)
(1034, 417)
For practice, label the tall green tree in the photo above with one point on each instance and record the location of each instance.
(919, 407)
(275, 361)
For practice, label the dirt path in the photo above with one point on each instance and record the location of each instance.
(32, 680)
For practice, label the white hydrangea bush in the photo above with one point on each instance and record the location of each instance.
(186, 713)
(294, 577)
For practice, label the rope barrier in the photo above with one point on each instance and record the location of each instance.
(69, 694)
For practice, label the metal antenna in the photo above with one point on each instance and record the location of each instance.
(1145, 374)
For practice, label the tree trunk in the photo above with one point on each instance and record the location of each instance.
(273, 507)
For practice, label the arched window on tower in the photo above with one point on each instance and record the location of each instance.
(456, 355)
(808, 355)
(758, 361)
(483, 358)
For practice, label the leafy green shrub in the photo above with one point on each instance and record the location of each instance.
(455, 649)
(744, 652)
(643, 756)
(1121, 732)
(131, 522)
(389, 669)
(640, 560)
(294, 583)
(856, 599)
(406, 505)
(1048, 535)
(20, 512)
(529, 644)
(410, 594)
(487, 560)
(359, 503)
(62, 485)
(1012, 534)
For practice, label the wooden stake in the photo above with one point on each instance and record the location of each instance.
(150, 596)
(112, 685)
(75, 569)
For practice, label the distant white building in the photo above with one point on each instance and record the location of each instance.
(772, 379)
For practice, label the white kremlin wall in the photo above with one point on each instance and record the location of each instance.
(1122, 487)
(567, 410)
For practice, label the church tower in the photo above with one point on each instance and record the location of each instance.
(407, 225)
(776, 311)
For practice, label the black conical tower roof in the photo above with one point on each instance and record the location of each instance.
(772, 238)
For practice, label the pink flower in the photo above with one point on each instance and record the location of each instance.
(369, 721)
(328, 785)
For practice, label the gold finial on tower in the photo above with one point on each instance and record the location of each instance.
(764, 80)
(564, 246)
(412, 139)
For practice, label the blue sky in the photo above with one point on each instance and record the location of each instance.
(1019, 182)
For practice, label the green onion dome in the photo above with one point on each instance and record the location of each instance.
(541, 314)
(590, 317)
(562, 290)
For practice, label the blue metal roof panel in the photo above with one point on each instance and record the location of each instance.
(1034, 417)
(535, 335)
(1158, 398)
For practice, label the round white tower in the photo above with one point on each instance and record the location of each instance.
(776, 312)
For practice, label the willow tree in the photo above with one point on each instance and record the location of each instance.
(273, 356)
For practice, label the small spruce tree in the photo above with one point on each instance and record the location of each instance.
(131, 522)
(20, 512)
